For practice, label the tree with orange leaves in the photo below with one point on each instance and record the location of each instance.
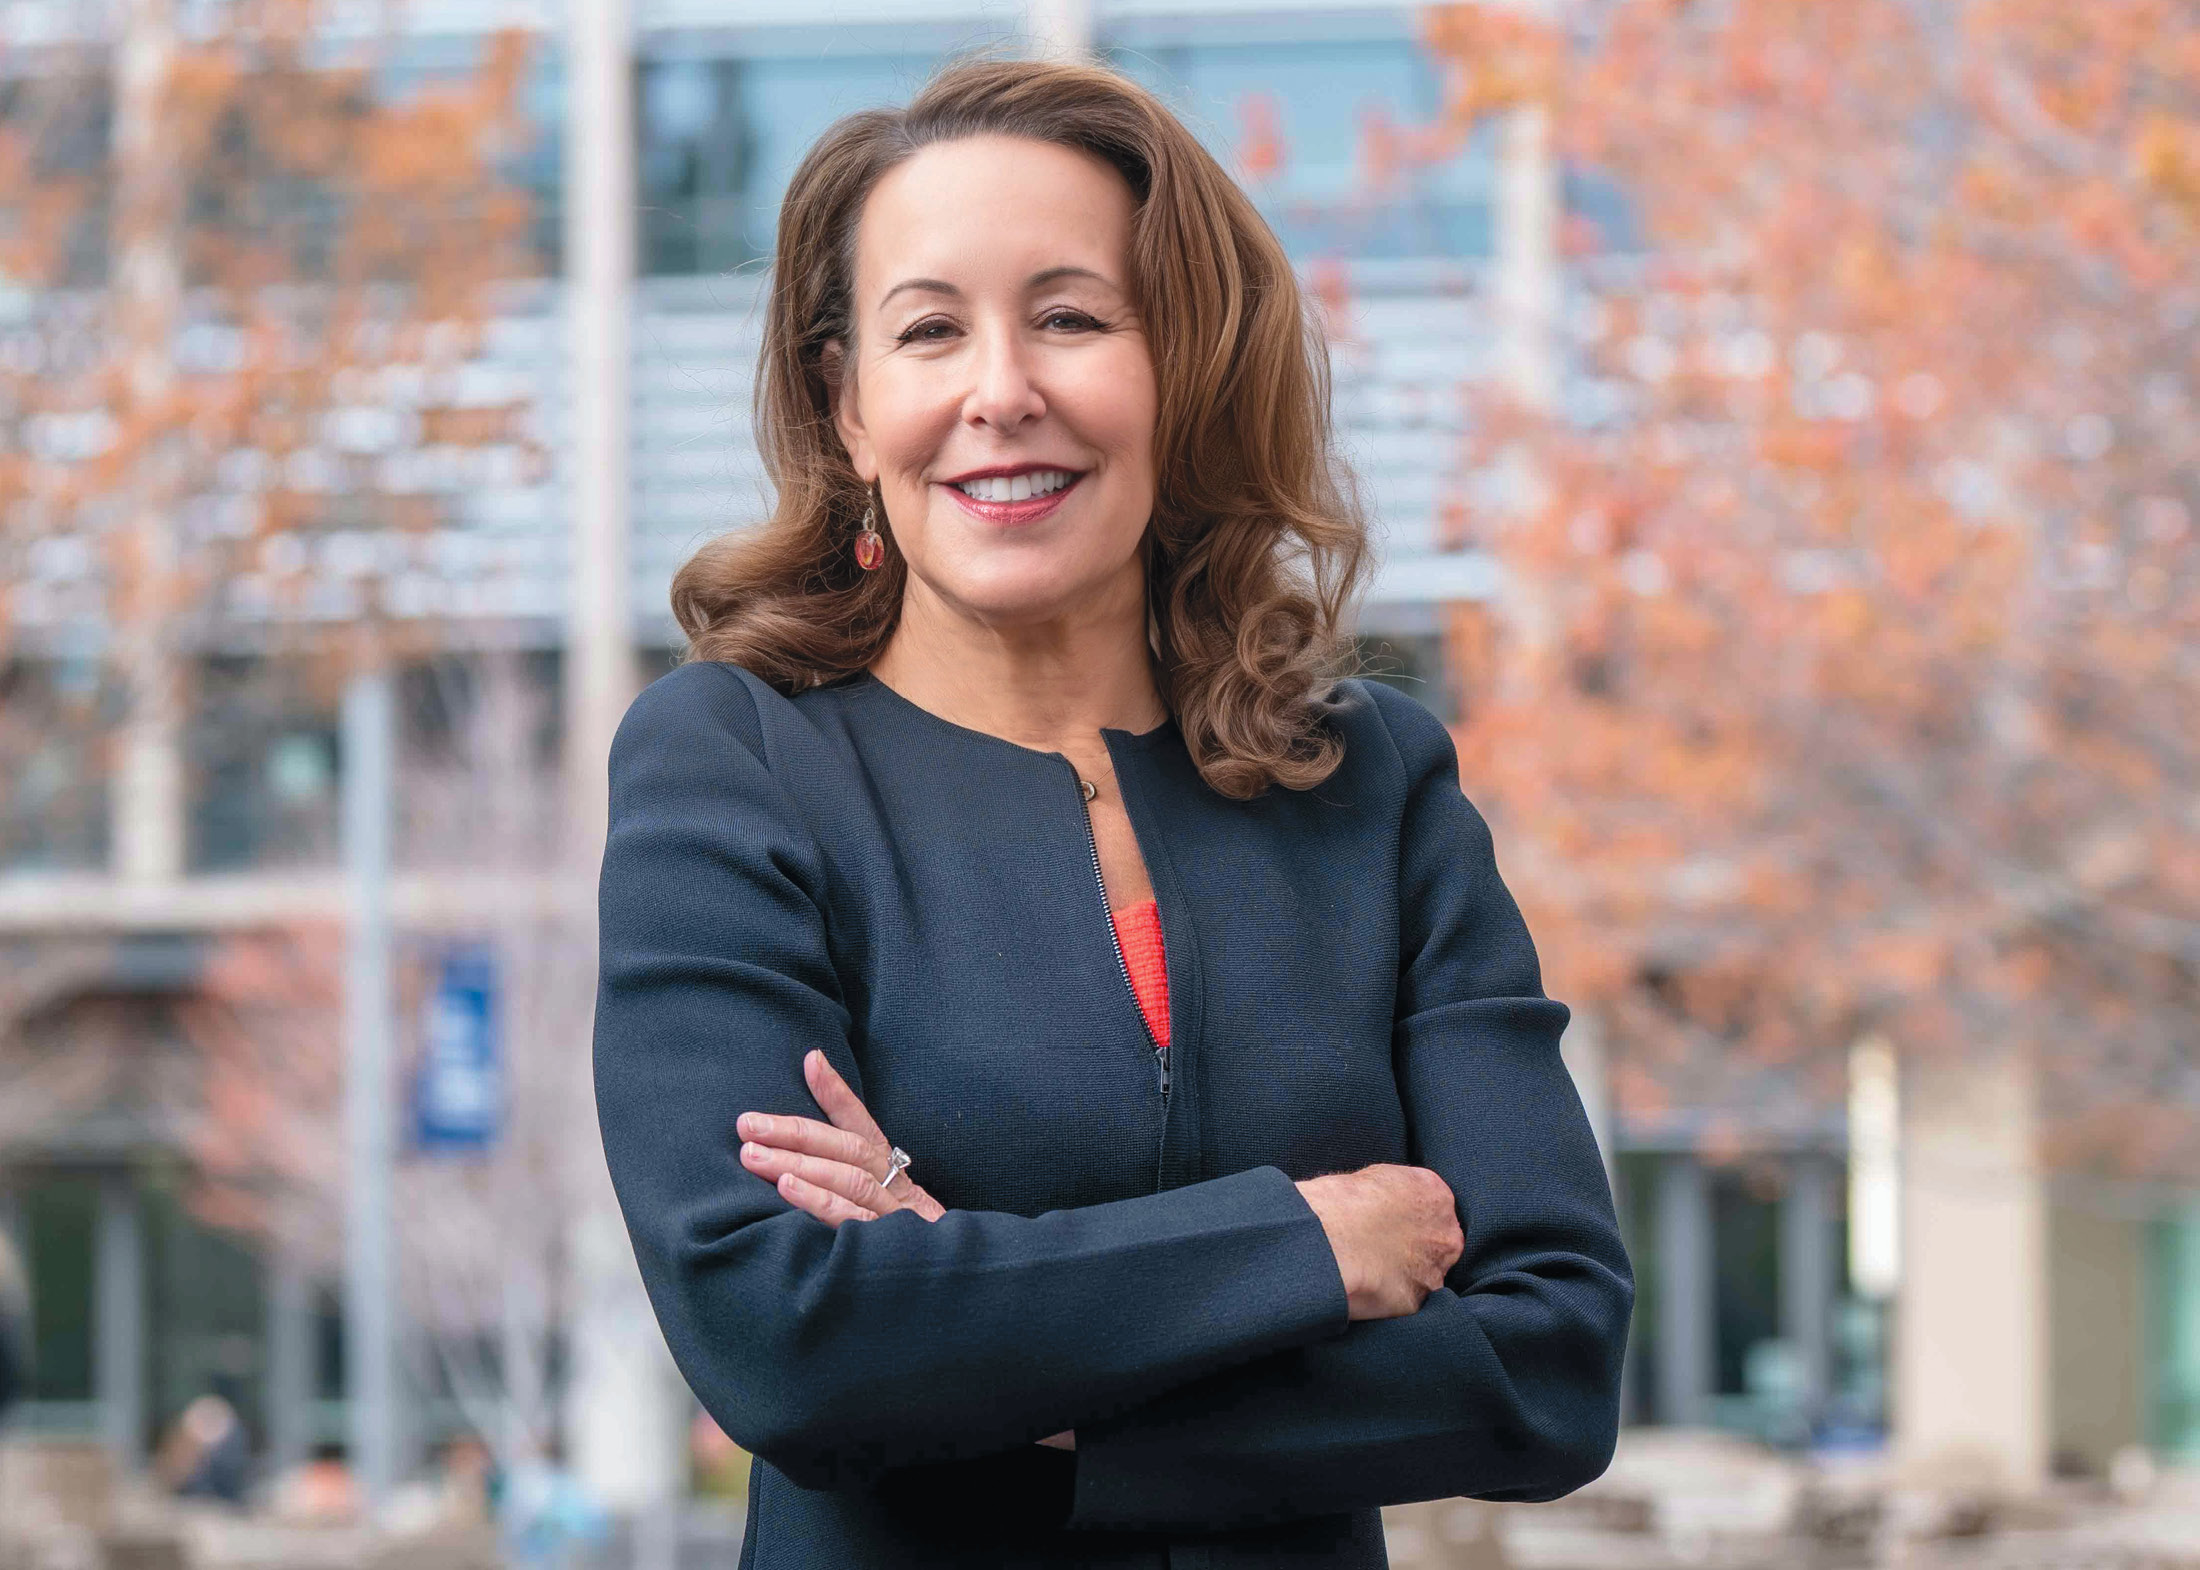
(241, 276)
(240, 280)
(1848, 670)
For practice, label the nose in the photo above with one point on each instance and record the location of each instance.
(1002, 395)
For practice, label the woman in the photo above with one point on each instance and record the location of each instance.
(1006, 815)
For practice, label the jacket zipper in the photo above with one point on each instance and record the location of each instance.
(1122, 965)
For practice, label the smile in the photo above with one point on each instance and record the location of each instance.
(1014, 498)
(1015, 487)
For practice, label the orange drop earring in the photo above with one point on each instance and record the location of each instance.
(870, 549)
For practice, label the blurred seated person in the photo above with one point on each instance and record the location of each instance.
(318, 1492)
(469, 1481)
(457, 1495)
(205, 1455)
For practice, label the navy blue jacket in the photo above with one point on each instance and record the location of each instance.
(1122, 1255)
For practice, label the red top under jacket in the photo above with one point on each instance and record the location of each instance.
(1138, 931)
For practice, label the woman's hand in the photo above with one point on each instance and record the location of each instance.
(1395, 1232)
(832, 1170)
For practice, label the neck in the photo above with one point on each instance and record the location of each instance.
(1050, 685)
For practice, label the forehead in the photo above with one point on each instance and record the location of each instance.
(990, 208)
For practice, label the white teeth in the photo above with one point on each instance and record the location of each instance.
(1015, 488)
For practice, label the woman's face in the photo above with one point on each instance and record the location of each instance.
(1000, 389)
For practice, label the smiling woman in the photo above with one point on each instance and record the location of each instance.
(1000, 399)
(1079, 1089)
(1249, 539)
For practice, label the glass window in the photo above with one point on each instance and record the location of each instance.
(261, 753)
(55, 719)
(207, 1293)
(1415, 664)
(720, 138)
(60, 1222)
(697, 155)
(536, 164)
(1322, 132)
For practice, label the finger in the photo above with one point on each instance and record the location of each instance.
(841, 1104)
(853, 1183)
(828, 1207)
(809, 1137)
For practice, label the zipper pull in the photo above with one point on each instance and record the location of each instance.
(1163, 1054)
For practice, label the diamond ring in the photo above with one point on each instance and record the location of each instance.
(896, 1165)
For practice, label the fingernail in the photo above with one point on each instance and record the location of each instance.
(750, 1152)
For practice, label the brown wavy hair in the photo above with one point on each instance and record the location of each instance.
(1257, 544)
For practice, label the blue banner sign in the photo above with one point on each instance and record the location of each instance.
(458, 1094)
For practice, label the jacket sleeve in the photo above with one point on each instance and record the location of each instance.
(837, 1354)
(1506, 1384)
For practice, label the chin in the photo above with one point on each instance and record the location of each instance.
(1010, 593)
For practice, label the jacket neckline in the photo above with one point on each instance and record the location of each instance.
(1109, 734)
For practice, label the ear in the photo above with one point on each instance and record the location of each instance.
(847, 417)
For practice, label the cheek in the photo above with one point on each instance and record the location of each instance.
(906, 418)
(1118, 404)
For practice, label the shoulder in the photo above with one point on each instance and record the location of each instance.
(713, 705)
(701, 701)
(1391, 728)
(700, 738)
(1415, 755)
(696, 770)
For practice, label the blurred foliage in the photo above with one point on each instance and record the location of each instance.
(1848, 673)
(240, 285)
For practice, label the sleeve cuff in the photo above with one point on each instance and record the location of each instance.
(1118, 1461)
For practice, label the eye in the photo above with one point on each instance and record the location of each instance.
(930, 329)
(1077, 321)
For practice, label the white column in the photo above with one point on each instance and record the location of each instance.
(624, 1406)
(290, 1359)
(370, 1113)
(145, 799)
(1687, 1296)
(1527, 223)
(2100, 1321)
(1807, 1274)
(1581, 1048)
(1970, 1376)
(599, 302)
(1060, 29)
(118, 1288)
(1875, 1169)
(1526, 303)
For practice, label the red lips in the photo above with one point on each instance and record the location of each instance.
(1029, 510)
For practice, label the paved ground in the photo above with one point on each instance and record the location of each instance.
(1672, 1501)
(1682, 1501)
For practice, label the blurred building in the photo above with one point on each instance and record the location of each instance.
(1766, 1290)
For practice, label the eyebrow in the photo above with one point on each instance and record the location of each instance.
(1038, 280)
